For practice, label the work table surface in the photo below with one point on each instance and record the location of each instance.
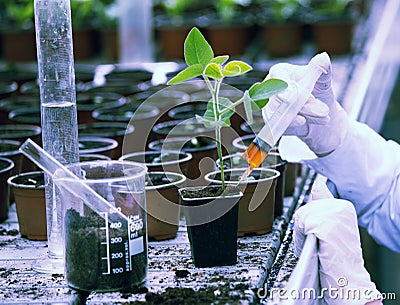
(169, 265)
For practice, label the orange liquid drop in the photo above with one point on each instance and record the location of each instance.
(254, 156)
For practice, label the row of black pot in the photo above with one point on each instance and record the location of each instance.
(251, 207)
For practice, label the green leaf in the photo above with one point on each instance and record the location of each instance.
(196, 49)
(214, 71)
(261, 92)
(236, 67)
(248, 107)
(188, 73)
(220, 59)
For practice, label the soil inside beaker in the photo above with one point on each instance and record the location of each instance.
(87, 266)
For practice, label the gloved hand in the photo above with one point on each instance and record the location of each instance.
(322, 123)
(334, 223)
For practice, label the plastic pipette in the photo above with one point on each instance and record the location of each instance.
(290, 102)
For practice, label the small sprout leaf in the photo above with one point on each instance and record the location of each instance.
(197, 50)
(236, 67)
(189, 73)
(220, 59)
(261, 92)
(213, 71)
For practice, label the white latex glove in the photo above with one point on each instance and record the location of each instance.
(334, 223)
(321, 123)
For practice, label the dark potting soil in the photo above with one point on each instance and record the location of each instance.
(163, 157)
(187, 296)
(158, 179)
(188, 145)
(210, 191)
(92, 144)
(4, 164)
(35, 180)
(255, 175)
(85, 266)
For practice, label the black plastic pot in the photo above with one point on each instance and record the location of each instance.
(7, 88)
(28, 115)
(114, 130)
(98, 145)
(156, 161)
(141, 117)
(213, 242)
(182, 128)
(15, 102)
(188, 111)
(9, 149)
(20, 132)
(88, 102)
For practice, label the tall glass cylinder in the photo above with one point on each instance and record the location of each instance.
(56, 77)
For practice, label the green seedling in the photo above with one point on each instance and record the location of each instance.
(200, 60)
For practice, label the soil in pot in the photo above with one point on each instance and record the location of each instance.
(157, 161)
(203, 150)
(114, 130)
(6, 166)
(92, 157)
(9, 149)
(29, 115)
(122, 87)
(182, 128)
(162, 204)
(134, 75)
(98, 145)
(15, 102)
(7, 88)
(212, 223)
(141, 116)
(188, 111)
(21, 132)
(164, 99)
(256, 207)
(88, 102)
(29, 193)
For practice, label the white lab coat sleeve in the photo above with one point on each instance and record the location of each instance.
(365, 170)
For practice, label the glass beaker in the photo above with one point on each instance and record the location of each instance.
(107, 250)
